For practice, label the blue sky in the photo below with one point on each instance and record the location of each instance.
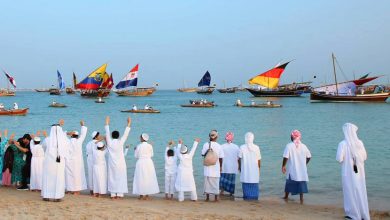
(179, 40)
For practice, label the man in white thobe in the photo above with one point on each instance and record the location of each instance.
(74, 164)
(89, 150)
(117, 171)
(352, 154)
(53, 177)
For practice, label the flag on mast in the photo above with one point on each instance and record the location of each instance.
(270, 78)
(10, 79)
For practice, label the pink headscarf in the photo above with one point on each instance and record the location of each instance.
(296, 136)
(229, 137)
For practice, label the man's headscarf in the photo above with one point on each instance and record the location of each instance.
(353, 142)
(296, 136)
(57, 143)
(229, 137)
(249, 138)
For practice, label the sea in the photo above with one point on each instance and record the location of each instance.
(320, 125)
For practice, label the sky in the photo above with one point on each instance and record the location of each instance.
(178, 41)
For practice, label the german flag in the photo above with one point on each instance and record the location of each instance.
(269, 79)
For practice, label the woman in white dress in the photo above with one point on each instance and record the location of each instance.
(99, 170)
(145, 179)
(185, 181)
(38, 156)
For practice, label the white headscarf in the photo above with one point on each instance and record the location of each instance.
(249, 138)
(57, 137)
(353, 142)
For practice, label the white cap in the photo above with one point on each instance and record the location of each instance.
(93, 135)
(145, 136)
(100, 144)
(37, 139)
(76, 133)
(183, 149)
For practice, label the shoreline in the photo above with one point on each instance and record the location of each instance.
(29, 205)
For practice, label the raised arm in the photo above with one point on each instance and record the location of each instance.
(194, 146)
(83, 132)
(127, 131)
(107, 129)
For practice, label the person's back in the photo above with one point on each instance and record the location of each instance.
(230, 152)
(296, 163)
(249, 163)
(144, 151)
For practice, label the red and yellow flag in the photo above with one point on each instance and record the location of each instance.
(269, 79)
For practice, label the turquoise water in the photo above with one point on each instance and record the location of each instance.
(320, 124)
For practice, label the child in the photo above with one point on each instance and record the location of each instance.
(99, 170)
(38, 156)
(185, 175)
(170, 171)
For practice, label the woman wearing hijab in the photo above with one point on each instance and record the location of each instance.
(296, 156)
(249, 165)
(19, 162)
(145, 179)
(53, 178)
(227, 182)
(3, 143)
(8, 161)
(352, 154)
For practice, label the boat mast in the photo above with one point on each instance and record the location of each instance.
(334, 72)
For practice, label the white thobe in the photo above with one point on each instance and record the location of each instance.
(38, 156)
(89, 150)
(145, 179)
(296, 163)
(185, 174)
(117, 171)
(74, 164)
(170, 171)
(99, 171)
(354, 184)
(214, 170)
(53, 177)
(250, 157)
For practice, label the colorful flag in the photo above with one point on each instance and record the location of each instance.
(269, 79)
(10, 79)
(130, 79)
(94, 79)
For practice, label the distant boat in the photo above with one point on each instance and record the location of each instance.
(42, 90)
(199, 104)
(347, 92)
(186, 89)
(8, 91)
(97, 84)
(131, 80)
(57, 105)
(61, 85)
(153, 111)
(70, 90)
(227, 90)
(267, 104)
(268, 83)
(204, 85)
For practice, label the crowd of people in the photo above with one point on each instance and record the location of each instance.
(55, 165)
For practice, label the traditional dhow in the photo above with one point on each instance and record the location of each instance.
(14, 112)
(8, 91)
(200, 104)
(152, 111)
(130, 81)
(204, 85)
(96, 84)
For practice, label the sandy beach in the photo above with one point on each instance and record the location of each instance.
(28, 205)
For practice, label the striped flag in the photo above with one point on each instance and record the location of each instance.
(10, 78)
(269, 79)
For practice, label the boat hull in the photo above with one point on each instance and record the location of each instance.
(95, 93)
(6, 93)
(57, 106)
(276, 93)
(153, 111)
(139, 92)
(187, 90)
(205, 91)
(260, 106)
(15, 112)
(227, 90)
(318, 97)
(198, 106)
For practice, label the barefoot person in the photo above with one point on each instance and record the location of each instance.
(296, 156)
(89, 150)
(212, 173)
(74, 164)
(185, 181)
(37, 160)
(117, 170)
(352, 154)
(170, 170)
(145, 179)
(53, 178)
(250, 168)
(99, 170)
(230, 165)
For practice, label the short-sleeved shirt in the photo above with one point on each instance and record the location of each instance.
(249, 163)
(230, 164)
(296, 164)
(213, 171)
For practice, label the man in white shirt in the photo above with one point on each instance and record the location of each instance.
(212, 173)
(227, 181)
(296, 156)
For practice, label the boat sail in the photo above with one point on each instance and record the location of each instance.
(346, 91)
(204, 84)
(131, 80)
(61, 85)
(70, 90)
(268, 83)
(7, 91)
(92, 85)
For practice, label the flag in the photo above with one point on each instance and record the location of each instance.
(94, 79)
(74, 81)
(61, 83)
(10, 79)
(269, 79)
(130, 79)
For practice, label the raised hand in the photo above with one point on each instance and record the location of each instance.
(82, 123)
(12, 136)
(5, 132)
(38, 133)
(171, 142)
(44, 133)
(107, 120)
(61, 122)
(180, 141)
(128, 122)
(197, 140)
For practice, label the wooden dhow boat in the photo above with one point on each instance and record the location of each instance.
(57, 105)
(150, 111)
(261, 105)
(14, 112)
(186, 89)
(204, 85)
(97, 84)
(199, 104)
(130, 81)
(8, 92)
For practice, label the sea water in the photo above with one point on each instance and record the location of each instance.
(320, 124)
